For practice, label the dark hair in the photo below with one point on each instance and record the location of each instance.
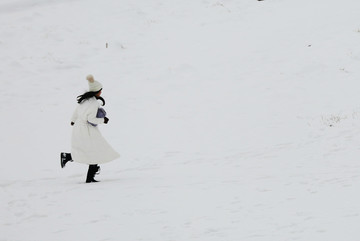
(89, 95)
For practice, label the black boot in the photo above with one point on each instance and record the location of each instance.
(91, 173)
(64, 158)
(97, 170)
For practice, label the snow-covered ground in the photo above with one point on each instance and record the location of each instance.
(235, 119)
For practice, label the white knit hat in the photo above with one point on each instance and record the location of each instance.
(94, 85)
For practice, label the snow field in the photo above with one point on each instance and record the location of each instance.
(236, 120)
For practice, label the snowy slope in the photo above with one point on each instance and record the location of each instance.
(235, 120)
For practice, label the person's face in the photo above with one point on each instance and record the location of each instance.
(98, 93)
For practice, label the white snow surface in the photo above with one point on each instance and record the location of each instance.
(236, 120)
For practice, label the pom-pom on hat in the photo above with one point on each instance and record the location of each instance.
(94, 85)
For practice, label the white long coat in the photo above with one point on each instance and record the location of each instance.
(88, 146)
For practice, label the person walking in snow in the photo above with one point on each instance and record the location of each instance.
(88, 146)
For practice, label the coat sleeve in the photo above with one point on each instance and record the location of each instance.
(93, 109)
(74, 115)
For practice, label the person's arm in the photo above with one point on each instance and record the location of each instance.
(74, 117)
(92, 115)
